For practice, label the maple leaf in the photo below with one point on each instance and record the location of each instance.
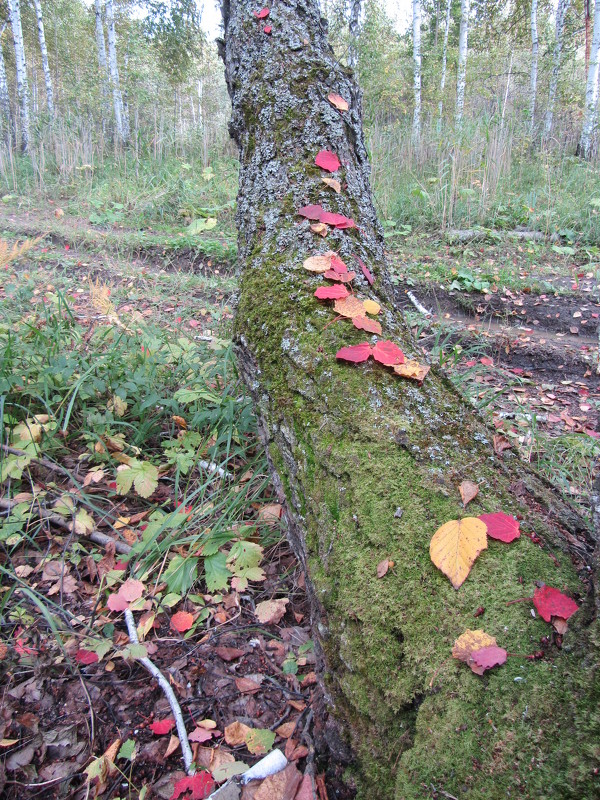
(182, 621)
(387, 353)
(162, 726)
(366, 324)
(550, 602)
(349, 307)
(455, 546)
(338, 101)
(336, 292)
(262, 14)
(199, 785)
(355, 353)
(468, 490)
(486, 658)
(501, 526)
(468, 642)
(412, 369)
(327, 161)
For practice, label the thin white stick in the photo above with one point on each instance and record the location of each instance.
(210, 466)
(170, 694)
(418, 305)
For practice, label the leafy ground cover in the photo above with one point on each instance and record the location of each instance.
(131, 479)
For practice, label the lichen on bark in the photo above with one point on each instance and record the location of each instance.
(350, 445)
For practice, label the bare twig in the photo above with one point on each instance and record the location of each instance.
(169, 693)
(420, 308)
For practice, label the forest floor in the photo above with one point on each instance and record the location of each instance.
(513, 324)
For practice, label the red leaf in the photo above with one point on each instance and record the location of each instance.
(162, 726)
(343, 277)
(388, 353)
(487, 657)
(200, 735)
(267, 29)
(327, 160)
(355, 353)
(365, 271)
(86, 656)
(131, 589)
(501, 526)
(117, 602)
(337, 264)
(338, 101)
(367, 324)
(311, 212)
(182, 621)
(337, 220)
(486, 361)
(200, 785)
(336, 292)
(552, 603)
(262, 14)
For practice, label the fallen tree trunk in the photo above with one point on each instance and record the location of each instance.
(368, 467)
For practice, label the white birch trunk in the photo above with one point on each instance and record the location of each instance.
(462, 60)
(591, 93)
(444, 62)
(534, 66)
(7, 120)
(120, 118)
(416, 128)
(44, 51)
(561, 16)
(14, 11)
(102, 61)
(353, 24)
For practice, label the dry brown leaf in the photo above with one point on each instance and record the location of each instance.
(235, 734)
(455, 546)
(383, 567)
(333, 184)
(338, 101)
(412, 369)
(270, 612)
(560, 625)
(317, 263)
(321, 228)
(247, 685)
(468, 490)
(349, 307)
(281, 786)
(172, 746)
(501, 444)
(468, 642)
(286, 730)
(270, 514)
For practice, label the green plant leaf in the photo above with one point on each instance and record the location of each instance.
(259, 741)
(216, 572)
(127, 750)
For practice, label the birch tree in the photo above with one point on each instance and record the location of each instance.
(353, 26)
(44, 51)
(591, 92)
(367, 467)
(102, 61)
(416, 127)
(14, 11)
(534, 66)
(461, 79)
(121, 121)
(7, 120)
(444, 62)
(561, 15)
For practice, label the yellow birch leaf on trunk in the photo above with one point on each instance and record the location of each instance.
(371, 307)
(349, 307)
(469, 641)
(455, 546)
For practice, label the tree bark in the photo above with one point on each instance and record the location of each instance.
(44, 51)
(591, 92)
(534, 67)
(14, 11)
(561, 15)
(416, 126)
(463, 45)
(7, 119)
(368, 467)
(121, 122)
(444, 62)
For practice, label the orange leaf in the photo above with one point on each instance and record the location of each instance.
(349, 307)
(412, 369)
(366, 324)
(468, 642)
(182, 621)
(455, 546)
(468, 490)
(338, 101)
(235, 734)
(131, 590)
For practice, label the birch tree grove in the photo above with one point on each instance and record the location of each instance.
(534, 66)
(444, 61)
(591, 92)
(416, 127)
(367, 467)
(461, 78)
(561, 15)
(44, 51)
(14, 11)
(121, 121)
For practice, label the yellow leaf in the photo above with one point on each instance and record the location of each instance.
(455, 546)
(411, 369)
(470, 641)
(320, 227)
(333, 184)
(317, 263)
(349, 307)
(371, 307)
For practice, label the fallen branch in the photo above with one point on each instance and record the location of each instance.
(169, 693)
(420, 308)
